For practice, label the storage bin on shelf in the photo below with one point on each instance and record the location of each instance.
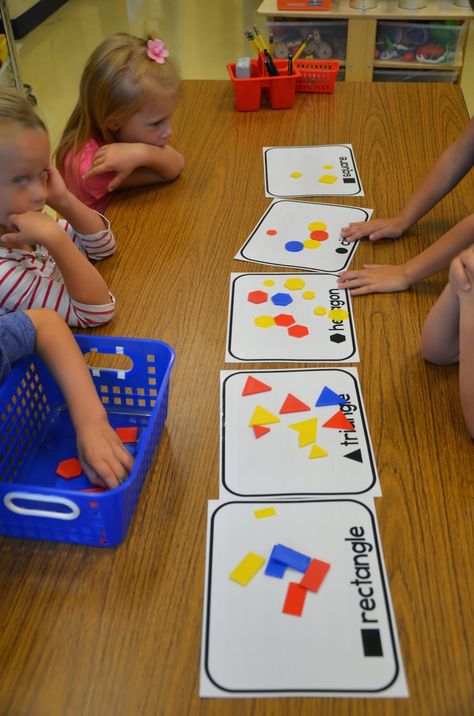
(427, 44)
(36, 433)
(248, 91)
(329, 38)
(402, 75)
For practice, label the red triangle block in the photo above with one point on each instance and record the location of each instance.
(260, 430)
(293, 405)
(340, 421)
(127, 435)
(252, 386)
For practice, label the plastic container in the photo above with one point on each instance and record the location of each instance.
(316, 75)
(423, 43)
(248, 91)
(401, 75)
(36, 433)
(329, 38)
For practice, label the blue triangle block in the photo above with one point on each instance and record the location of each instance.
(329, 397)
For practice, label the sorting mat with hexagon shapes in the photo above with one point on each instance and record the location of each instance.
(302, 317)
(322, 170)
(297, 602)
(293, 434)
(304, 235)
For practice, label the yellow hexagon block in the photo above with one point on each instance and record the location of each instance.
(308, 295)
(296, 175)
(264, 321)
(294, 284)
(310, 244)
(319, 311)
(269, 282)
(338, 314)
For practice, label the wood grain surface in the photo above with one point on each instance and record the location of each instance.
(116, 632)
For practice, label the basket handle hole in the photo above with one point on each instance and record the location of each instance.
(108, 361)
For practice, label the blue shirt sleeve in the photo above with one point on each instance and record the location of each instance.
(17, 339)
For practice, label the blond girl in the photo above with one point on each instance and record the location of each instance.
(117, 135)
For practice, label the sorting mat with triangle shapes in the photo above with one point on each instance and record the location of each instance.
(293, 434)
(297, 602)
(301, 317)
(322, 170)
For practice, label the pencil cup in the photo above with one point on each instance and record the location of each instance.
(280, 90)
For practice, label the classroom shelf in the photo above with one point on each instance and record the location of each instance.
(365, 27)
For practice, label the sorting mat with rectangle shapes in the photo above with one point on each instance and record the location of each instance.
(303, 234)
(297, 602)
(294, 433)
(302, 317)
(322, 170)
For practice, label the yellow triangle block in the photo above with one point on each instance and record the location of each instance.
(262, 417)
(306, 430)
(317, 451)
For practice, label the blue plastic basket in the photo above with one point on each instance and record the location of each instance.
(36, 433)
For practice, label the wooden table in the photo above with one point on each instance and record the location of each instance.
(117, 632)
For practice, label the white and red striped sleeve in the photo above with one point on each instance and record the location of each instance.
(94, 246)
(23, 285)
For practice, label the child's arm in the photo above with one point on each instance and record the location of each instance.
(82, 300)
(447, 171)
(448, 332)
(103, 457)
(387, 278)
(136, 164)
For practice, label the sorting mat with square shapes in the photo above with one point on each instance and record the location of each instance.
(302, 317)
(304, 235)
(322, 170)
(297, 602)
(293, 434)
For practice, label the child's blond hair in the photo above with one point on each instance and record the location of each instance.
(117, 78)
(16, 112)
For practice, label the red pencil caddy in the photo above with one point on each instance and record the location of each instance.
(248, 91)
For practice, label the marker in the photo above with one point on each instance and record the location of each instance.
(270, 45)
(274, 71)
(290, 64)
(302, 46)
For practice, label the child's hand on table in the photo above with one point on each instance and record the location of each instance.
(104, 459)
(374, 230)
(374, 278)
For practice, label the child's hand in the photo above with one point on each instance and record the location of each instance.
(104, 459)
(461, 272)
(32, 227)
(374, 230)
(374, 278)
(57, 189)
(121, 158)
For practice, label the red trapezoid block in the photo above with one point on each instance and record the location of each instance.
(127, 435)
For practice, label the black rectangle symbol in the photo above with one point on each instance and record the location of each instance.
(349, 181)
(371, 642)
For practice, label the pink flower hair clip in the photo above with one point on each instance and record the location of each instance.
(157, 51)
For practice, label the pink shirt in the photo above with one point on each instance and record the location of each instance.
(93, 192)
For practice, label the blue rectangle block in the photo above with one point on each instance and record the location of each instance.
(290, 557)
(275, 569)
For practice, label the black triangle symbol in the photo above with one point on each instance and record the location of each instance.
(356, 455)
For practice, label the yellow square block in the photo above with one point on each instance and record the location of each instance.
(327, 179)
